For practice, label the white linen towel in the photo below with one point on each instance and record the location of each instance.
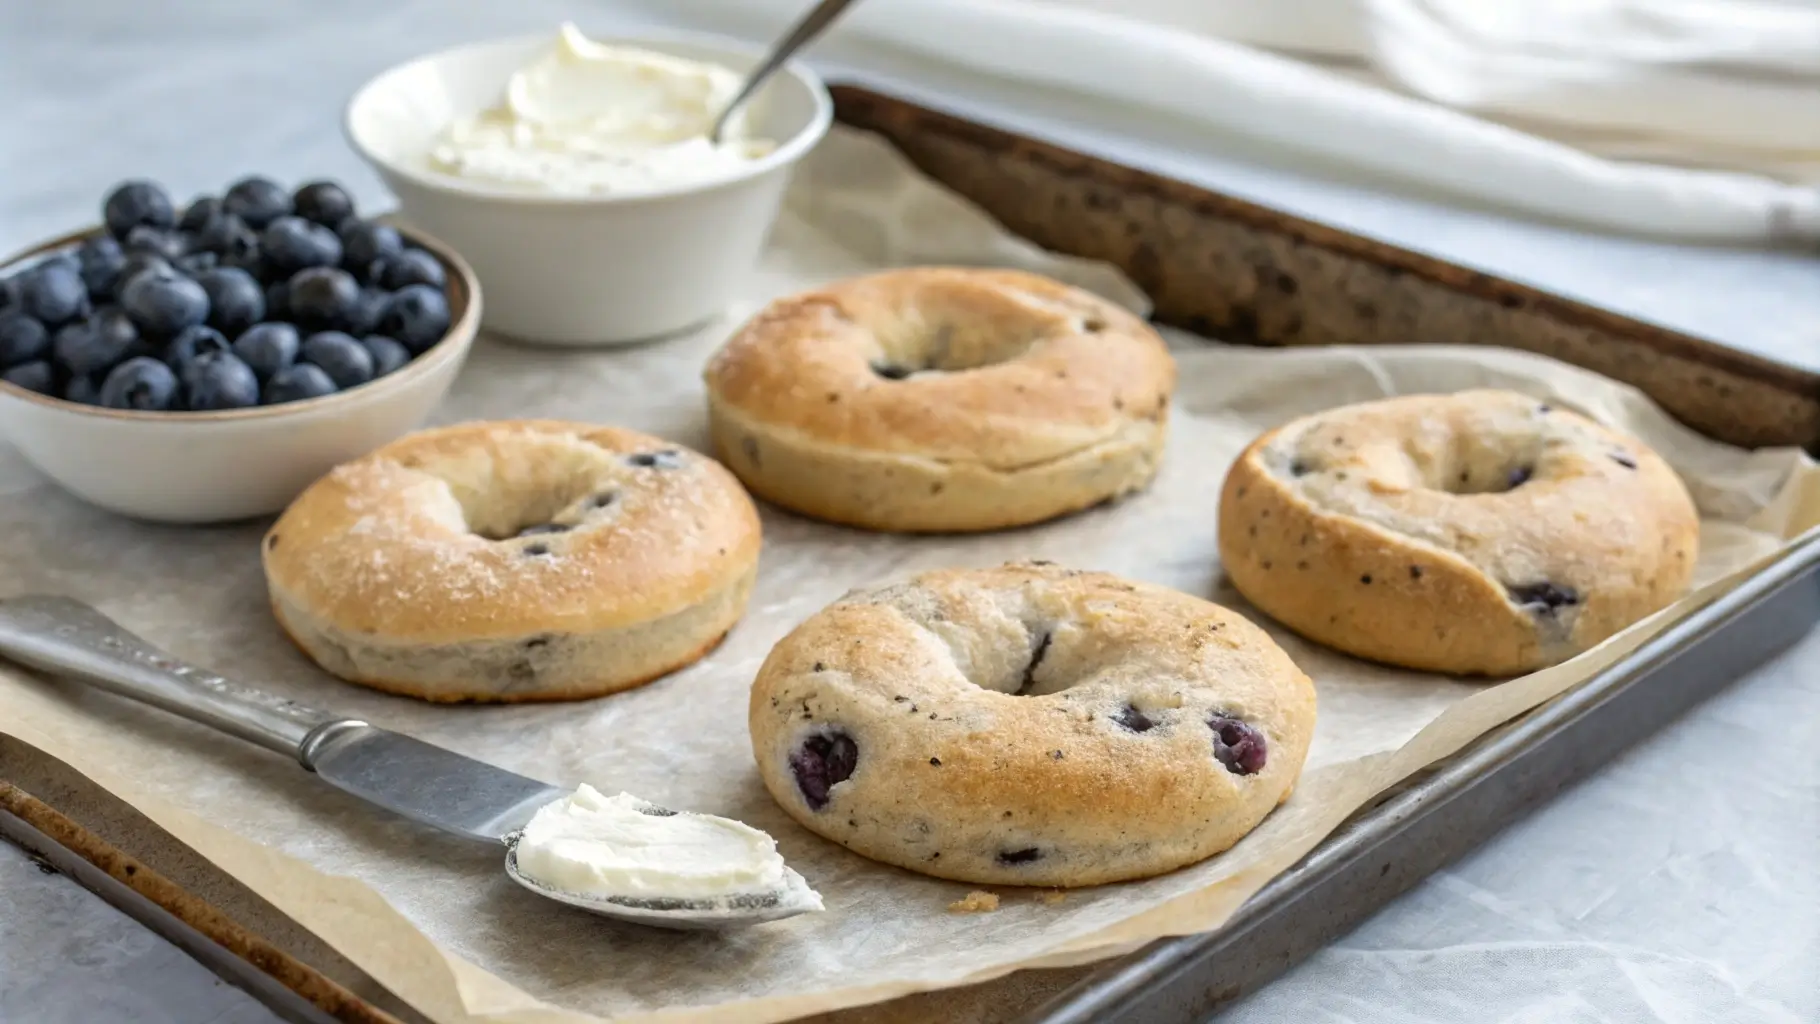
(1696, 120)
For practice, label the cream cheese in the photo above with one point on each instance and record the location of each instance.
(596, 845)
(594, 118)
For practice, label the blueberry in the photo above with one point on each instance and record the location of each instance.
(236, 302)
(83, 390)
(258, 201)
(87, 346)
(217, 380)
(142, 383)
(278, 300)
(193, 342)
(292, 244)
(202, 211)
(117, 330)
(1520, 476)
(668, 458)
(1134, 719)
(412, 266)
(369, 310)
(323, 298)
(195, 264)
(33, 376)
(1026, 855)
(22, 339)
(101, 260)
(267, 348)
(164, 242)
(821, 763)
(345, 360)
(1237, 745)
(297, 383)
(324, 202)
(891, 371)
(365, 244)
(9, 294)
(163, 306)
(138, 263)
(418, 317)
(388, 355)
(228, 237)
(53, 294)
(1543, 598)
(137, 204)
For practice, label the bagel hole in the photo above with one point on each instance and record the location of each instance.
(549, 485)
(1478, 480)
(925, 346)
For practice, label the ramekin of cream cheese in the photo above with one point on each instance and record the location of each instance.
(591, 118)
(596, 845)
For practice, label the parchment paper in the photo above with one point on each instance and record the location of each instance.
(434, 919)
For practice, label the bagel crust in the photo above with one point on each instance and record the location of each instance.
(1030, 725)
(1479, 533)
(941, 399)
(514, 561)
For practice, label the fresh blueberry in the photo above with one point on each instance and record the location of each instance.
(9, 294)
(195, 264)
(163, 306)
(418, 316)
(369, 310)
(193, 342)
(278, 300)
(22, 339)
(323, 298)
(83, 390)
(388, 355)
(413, 266)
(267, 348)
(345, 360)
(101, 260)
(236, 302)
(117, 331)
(365, 245)
(324, 202)
(138, 263)
(218, 380)
(165, 242)
(84, 347)
(202, 211)
(137, 204)
(53, 294)
(292, 244)
(258, 201)
(228, 237)
(142, 383)
(296, 383)
(33, 376)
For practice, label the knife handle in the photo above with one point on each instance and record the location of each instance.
(65, 637)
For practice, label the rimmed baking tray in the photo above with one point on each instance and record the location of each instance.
(1226, 268)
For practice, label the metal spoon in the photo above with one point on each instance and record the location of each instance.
(420, 781)
(799, 36)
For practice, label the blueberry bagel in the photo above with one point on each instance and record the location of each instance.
(1480, 533)
(1030, 725)
(941, 399)
(514, 561)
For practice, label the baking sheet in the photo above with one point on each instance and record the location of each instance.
(434, 920)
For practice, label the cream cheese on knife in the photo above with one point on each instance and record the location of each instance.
(592, 118)
(596, 845)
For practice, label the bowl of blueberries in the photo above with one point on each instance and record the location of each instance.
(205, 364)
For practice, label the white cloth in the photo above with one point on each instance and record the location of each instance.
(1733, 85)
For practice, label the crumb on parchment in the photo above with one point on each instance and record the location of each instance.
(1051, 897)
(975, 902)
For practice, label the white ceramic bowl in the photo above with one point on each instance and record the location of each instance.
(585, 270)
(205, 467)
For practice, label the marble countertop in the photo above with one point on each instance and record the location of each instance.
(1682, 883)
